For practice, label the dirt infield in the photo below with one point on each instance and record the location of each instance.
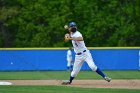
(128, 84)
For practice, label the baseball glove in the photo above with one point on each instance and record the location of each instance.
(67, 37)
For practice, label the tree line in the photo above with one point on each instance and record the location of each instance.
(39, 23)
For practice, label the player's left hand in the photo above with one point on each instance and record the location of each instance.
(67, 37)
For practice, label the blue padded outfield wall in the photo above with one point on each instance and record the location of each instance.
(55, 59)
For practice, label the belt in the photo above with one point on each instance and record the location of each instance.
(80, 52)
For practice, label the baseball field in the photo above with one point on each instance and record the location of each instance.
(85, 82)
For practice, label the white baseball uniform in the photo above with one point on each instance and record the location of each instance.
(82, 55)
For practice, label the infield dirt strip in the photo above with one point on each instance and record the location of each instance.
(129, 84)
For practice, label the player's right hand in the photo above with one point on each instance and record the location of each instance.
(66, 27)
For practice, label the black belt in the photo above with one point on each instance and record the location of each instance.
(80, 52)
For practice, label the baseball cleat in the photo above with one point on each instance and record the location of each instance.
(67, 82)
(107, 79)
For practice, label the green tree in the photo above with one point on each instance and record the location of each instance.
(39, 23)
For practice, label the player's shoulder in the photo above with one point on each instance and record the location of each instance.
(77, 33)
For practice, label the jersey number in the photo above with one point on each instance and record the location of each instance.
(76, 44)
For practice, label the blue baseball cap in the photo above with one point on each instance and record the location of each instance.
(71, 24)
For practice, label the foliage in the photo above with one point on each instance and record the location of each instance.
(39, 23)
(61, 89)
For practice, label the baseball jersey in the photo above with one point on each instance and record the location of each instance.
(79, 46)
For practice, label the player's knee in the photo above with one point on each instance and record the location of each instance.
(74, 73)
(94, 68)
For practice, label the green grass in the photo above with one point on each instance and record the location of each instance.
(62, 75)
(61, 89)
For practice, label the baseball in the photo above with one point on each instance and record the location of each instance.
(66, 27)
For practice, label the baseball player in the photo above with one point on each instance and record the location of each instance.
(69, 59)
(82, 54)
